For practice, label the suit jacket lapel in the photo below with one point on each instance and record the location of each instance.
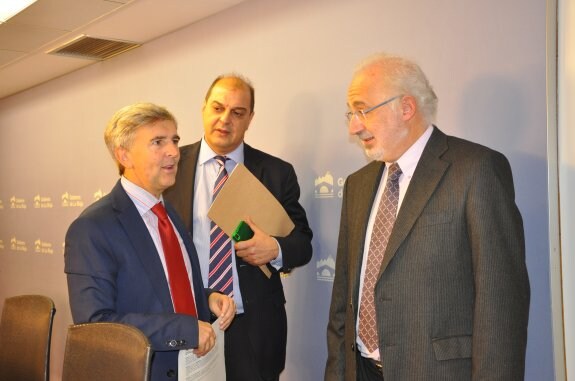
(139, 238)
(363, 202)
(430, 169)
(251, 161)
(184, 198)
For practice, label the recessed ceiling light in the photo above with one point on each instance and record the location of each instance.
(13, 7)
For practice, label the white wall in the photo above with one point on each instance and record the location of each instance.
(566, 158)
(487, 63)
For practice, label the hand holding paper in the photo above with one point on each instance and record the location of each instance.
(224, 308)
(243, 196)
(260, 249)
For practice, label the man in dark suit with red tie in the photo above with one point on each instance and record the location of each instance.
(124, 260)
(255, 343)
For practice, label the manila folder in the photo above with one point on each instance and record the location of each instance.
(244, 195)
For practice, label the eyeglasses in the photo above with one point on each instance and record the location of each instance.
(362, 114)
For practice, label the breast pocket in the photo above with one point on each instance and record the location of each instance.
(431, 219)
(450, 348)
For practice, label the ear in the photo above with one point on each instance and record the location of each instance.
(250, 119)
(123, 157)
(408, 107)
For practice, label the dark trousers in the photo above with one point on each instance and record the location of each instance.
(241, 364)
(367, 369)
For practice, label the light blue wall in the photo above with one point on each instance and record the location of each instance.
(485, 59)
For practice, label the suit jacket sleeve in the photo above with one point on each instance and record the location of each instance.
(502, 293)
(109, 280)
(296, 247)
(336, 327)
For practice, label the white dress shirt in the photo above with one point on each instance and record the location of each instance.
(407, 162)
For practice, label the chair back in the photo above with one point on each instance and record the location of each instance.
(106, 351)
(25, 335)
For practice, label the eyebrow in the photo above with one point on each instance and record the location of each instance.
(356, 104)
(163, 137)
(233, 108)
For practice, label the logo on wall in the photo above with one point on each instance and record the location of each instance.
(325, 269)
(325, 188)
(17, 245)
(98, 195)
(43, 247)
(70, 200)
(17, 203)
(41, 202)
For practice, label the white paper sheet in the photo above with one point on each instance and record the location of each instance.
(210, 367)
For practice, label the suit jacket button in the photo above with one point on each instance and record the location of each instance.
(172, 343)
(171, 373)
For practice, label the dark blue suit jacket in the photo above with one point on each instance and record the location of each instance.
(115, 275)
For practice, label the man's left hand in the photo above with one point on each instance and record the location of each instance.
(223, 307)
(258, 250)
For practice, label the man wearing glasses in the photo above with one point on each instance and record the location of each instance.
(430, 282)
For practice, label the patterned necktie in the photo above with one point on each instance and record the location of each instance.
(220, 271)
(384, 220)
(180, 287)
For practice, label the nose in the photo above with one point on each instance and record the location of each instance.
(355, 125)
(225, 117)
(173, 150)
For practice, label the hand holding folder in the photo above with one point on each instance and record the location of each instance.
(244, 195)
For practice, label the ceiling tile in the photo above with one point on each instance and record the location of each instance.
(64, 14)
(26, 38)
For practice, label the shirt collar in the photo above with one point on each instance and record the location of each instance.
(143, 199)
(206, 153)
(408, 161)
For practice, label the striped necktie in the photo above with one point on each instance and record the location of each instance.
(220, 269)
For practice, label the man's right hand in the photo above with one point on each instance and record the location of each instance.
(207, 338)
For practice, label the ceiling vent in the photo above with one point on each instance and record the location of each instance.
(93, 48)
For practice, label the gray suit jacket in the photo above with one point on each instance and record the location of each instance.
(452, 298)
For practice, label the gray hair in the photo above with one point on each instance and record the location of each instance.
(405, 77)
(122, 127)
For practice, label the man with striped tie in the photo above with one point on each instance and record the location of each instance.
(255, 343)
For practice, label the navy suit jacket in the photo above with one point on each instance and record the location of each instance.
(263, 298)
(115, 275)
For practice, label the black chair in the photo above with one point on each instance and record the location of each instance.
(25, 335)
(106, 351)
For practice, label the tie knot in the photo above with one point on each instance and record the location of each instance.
(221, 159)
(394, 172)
(160, 211)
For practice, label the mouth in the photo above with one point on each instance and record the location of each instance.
(170, 167)
(365, 138)
(221, 131)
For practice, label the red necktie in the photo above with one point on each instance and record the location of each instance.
(180, 287)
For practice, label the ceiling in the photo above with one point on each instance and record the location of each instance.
(26, 39)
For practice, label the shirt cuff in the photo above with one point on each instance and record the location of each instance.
(278, 262)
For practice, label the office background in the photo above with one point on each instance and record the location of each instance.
(486, 61)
